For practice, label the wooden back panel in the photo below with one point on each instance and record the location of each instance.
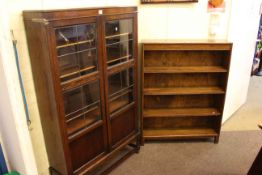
(179, 123)
(182, 80)
(184, 58)
(181, 101)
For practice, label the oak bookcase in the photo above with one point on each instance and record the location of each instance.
(183, 88)
(85, 75)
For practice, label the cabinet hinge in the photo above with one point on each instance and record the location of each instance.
(40, 20)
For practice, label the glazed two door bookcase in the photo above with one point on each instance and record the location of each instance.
(85, 74)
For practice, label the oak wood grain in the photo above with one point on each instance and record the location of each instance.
(181, 112)
(184, 85)
(185, 69)
(183, 91)
(178, 133)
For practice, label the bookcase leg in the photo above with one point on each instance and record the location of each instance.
(136, 145)
(142, 142)
(216, 139)
(53, 171)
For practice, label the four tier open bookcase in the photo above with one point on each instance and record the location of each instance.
(183, 88)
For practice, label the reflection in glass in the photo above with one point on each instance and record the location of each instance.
(120, 89)
(119, 52)
(82, 107)
(119, 41)
(117, 27)
(75, 65)
(76, 50)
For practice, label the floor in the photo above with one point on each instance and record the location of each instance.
(250, 114)
(233, 155)
(240, 142)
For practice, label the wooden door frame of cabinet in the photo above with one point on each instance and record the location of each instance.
(102, 78)
(135, 73)
(142, 97)
(58, 97)
(136, 93)
(58, 88)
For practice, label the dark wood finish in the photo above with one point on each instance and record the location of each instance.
(181, 112)
(184, 80)
(76, 14)
(166, 1)
(81, 131)
(260, 125)
(115, 161)
(183, 91)
(184, 69)
(183, 88)
(183, 101)
(171, 134)
(45, 90)
(179, 122)
(256, 168)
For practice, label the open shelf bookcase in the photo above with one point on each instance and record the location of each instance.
(183, 88)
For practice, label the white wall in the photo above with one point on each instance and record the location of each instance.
(13, 127)
(178, 21)
(4, 152)
(243, 27)
(188, 21)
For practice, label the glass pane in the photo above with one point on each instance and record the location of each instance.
(121, 100)
(76, 50)
(82, 107)
(120, 89)
(119, 41)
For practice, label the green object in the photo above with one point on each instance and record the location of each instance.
(12, 173)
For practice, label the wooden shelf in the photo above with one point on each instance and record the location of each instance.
(181, 112)
(117, 35)
(75, 70)
(185, 69)
(79, 81)
(115, 105)
(121, 92)
(159, 134)
(117, 59)
(74, 43)
(183, 91)
(79, 124)
(85, 129)
(79, 113)
(76, 52)
(118, 42)
(121, 66)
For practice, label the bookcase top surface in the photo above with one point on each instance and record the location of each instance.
(77, 9)
(56, 14)
(185, 41)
